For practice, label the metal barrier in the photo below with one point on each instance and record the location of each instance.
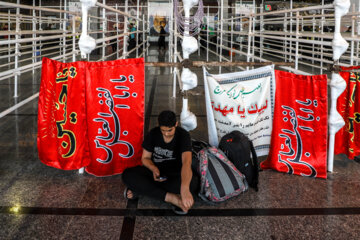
(29, 33)
(292, 35)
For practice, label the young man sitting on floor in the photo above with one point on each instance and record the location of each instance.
(166, 172)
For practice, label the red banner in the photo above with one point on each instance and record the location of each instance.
(347, 139)
(61, 140)
(91, 114)
(299, 136)
(115, 115)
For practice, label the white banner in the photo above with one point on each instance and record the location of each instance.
(241, 101)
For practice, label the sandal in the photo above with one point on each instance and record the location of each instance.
(135, 196)
(178, 210)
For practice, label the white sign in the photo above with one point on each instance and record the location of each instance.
(159, 9)
(75, 6)
(242, 101)
(244, 8)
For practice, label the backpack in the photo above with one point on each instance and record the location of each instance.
(237, 148)
(219, 178)
(196, 146)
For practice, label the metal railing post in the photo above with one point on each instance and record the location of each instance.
(117, 31)
(34, 57)
(74, 38)
(297, 41)
(64, 21)
(137, 28)
(221, 32)
(231, 39)
(103, 31)
(17, 51)
(207, 34)
(125, 31)
(144, 39)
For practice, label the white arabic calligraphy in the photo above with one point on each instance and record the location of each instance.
(112, 136)
(292, 153)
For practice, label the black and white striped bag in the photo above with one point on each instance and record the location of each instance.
(220, 180)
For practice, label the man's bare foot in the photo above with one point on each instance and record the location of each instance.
(175, 199)
(130, 195)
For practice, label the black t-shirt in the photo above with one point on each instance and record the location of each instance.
(167, 156)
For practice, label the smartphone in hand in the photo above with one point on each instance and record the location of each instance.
(162, 178)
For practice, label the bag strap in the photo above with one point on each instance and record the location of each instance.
(216, 152)
(208, 152)
(256, 165)
(201, 154)
(203, 197)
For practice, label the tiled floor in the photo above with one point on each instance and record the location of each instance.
(40, 202)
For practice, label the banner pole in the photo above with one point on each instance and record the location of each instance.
(337, 83)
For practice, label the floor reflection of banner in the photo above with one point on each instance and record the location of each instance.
(241, 101)
(91, 114)
(299, 136)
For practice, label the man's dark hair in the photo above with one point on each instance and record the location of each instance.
(167, 119)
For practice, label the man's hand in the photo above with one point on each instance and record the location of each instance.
(156, 174)
(146, 161)
(187, 199)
